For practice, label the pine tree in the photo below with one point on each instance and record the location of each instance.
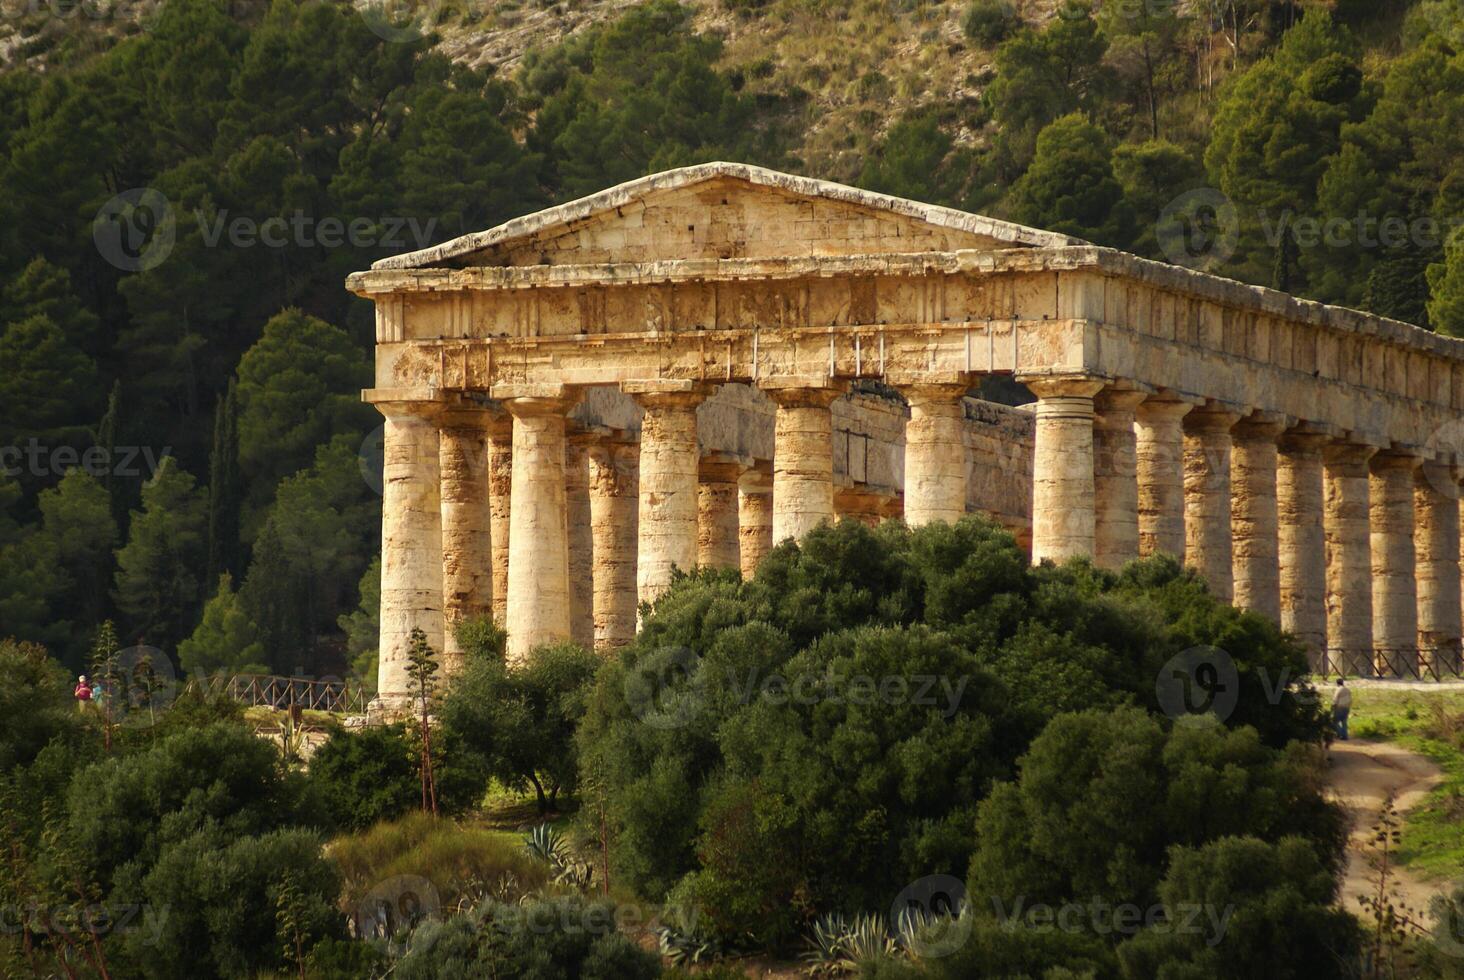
(223, 487)
(157, 582)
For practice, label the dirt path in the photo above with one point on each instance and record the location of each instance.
(1363, 773)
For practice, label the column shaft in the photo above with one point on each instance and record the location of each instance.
(754, 519)
(1159, 438)
(500, 489)
(668, 489)
(614, 521)
(1436, 504)
(538, 563)
(1062, 469)
(1302, 542)
(936, 470)
(467, 553)
(1349, 558)
(1253, 517)
(717, 544)
(1115, 479)
(580, 540)
(803, 460)
(1207, 544)
(1395, 590)
(411, 544)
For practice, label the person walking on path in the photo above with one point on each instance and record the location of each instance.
(1341, 708)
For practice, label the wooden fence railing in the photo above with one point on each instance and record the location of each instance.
(284, 693)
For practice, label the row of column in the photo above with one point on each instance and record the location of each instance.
(1353, 549)
(498, 507)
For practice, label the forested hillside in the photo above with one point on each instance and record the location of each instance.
(187, 184)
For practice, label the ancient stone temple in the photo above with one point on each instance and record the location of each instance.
(690, 367)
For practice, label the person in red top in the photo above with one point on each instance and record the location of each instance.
(82, 693)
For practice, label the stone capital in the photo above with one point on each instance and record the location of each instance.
(467, 413)
(1395, 459)
(1306, 438)
(1118, 401)
(422, 404)
(1346, 453)
(1062, 386)
(1212, 417)
(722, 467)
(758, 478)
(536, 400)
(1163, 407)
(802, 392)
(666, 392)
(1259, 427)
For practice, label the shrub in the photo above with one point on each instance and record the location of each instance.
(557, 939)
(372, 774)
(989, 22)
(749, 718)
(520, 722)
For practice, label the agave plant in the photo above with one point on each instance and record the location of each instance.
(552, 847)
(841, 945)
(687, 948)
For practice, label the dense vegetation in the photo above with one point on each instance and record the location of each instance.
(889, 751)
(184, 449)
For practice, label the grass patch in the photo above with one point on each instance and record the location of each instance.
(461, 860)
(1430, 723)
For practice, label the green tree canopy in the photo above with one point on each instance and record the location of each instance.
(226, 639)
(159, 580)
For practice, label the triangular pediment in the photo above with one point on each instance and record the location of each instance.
(724, 210)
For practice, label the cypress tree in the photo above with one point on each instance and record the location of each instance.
(223, 487)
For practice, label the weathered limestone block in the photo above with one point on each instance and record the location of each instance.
(1062, 468)
(870, 506)
(1159, 437)
(668, 483)
(1395, 590)
(538, 565)
(411, 544)
(1436, 510)
(936, 470)
(614, 506)
(1207, 544)
(1253, 515)
(1301, 540)
(500, 490)
(803, 467)
(1349, 557)
(467, 554)
(717, 543)
(754, 518)
(1115, 478)
(580, 539)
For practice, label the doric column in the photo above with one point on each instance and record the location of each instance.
(1062, 468)
(1207, 542)
(411, 542)
(1115, 478)
(580, 538)
(614, 489)
(1395, 590)
(717, 528)
(754, 517)
(803, 455)
(467, 554)
(538, 541)
(668, 480)
(1301, 540)
(936, 469)
(1436, 506)
(1159, 437)
(1349, 557)
(1254, 542)
(500, 489)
